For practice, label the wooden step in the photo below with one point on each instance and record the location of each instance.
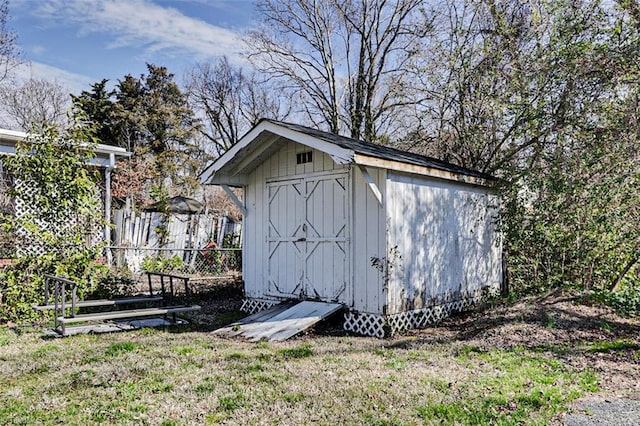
(133, 313)
(103, 302)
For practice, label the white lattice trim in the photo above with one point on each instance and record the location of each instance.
(384, 326)
(251, 306)
(366, 324)
(33, 247)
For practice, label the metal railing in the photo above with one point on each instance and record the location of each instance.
(205, 262)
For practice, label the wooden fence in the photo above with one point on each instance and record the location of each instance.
(138, 235)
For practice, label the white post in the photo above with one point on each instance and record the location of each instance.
(107, 208)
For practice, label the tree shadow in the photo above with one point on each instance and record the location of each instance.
(535, 324)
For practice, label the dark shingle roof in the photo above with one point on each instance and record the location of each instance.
(381, 151)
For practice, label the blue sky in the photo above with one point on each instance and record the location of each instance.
(79, 42)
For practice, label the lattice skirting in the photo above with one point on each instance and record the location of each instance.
(387, 325)
(251, 306)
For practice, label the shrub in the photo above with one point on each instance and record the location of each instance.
(114, 284)
(162, 264)
(22, 284)
(625, 302)
(56, 234)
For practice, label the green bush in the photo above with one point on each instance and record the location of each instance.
(211, 260)
(22, 284)
(231, 240)
(20, 288)
(625, 302)
(63, 218)
(162, 264)
(114, 284)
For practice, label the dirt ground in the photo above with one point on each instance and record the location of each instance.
(562, 325)
(577, 333)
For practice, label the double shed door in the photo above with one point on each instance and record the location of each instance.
(308, 237)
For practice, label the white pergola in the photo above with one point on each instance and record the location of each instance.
(104, 158)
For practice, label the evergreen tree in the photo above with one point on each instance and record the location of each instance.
(97, 106)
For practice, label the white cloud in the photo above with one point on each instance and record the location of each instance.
(145, 25)
(75, 83)
(37, 50)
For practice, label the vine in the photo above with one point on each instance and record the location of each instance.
(56, 231)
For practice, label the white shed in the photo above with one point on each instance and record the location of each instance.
(400, 239)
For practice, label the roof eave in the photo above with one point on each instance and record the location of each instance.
(224, 179)
(12, 135)
(399, 166)
(110, 149)
(104, 155)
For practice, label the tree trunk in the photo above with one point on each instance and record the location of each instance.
(625, 271)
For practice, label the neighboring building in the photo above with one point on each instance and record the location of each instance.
(400, 239)
(105, 159)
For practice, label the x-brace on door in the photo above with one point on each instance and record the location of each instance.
(308, 237)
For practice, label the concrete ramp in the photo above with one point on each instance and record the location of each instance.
(280, 322)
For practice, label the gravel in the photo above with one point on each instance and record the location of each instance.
(604, 412)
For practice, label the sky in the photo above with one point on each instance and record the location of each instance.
(80, 42)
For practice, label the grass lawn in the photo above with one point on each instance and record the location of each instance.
(181, 377)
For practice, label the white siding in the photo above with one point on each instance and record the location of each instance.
(253, 237)
(285, 255)
(368, 238)
(442, 241)
(282, 164)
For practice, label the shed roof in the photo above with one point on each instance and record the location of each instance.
(267, 136)
(178, 204)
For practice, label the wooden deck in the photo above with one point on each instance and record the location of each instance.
(280, 322)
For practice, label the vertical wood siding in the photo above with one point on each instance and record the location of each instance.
(368, 243)
(327, 232)
(284, 255)
(442, 241)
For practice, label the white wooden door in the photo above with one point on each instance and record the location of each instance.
(308, 238)
(285, 241)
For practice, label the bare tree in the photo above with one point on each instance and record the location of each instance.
(350, 58)
(9, 53)
(230, 101)
(35, 104)
(487, 75)
(544, 94)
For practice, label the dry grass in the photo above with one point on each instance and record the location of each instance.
(181, 377)
(160, 377)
